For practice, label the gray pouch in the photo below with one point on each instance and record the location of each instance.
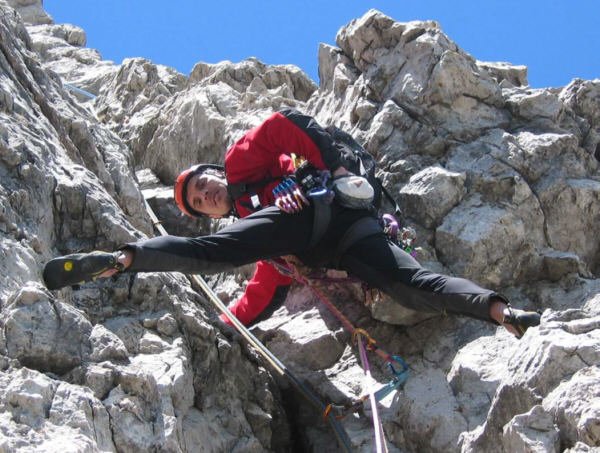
(353, 191)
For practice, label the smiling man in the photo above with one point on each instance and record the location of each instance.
(266, 176)
(202, 190)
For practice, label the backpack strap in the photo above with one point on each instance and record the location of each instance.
(392, 200)
(239, 189)
(321, 220)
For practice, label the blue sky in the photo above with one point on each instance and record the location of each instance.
(556, 40)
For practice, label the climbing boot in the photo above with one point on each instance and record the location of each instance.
(79, 268)
(521, 320)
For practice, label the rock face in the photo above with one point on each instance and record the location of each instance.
(63, 51)
(500, 181)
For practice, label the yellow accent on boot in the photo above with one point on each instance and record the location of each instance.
(68, 266)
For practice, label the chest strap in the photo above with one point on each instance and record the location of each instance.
(239, 189)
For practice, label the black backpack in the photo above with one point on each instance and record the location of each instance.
(354, 158)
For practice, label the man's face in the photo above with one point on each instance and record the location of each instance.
(207, 193)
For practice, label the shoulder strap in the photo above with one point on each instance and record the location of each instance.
(392, 200)
(321, 220)
(239, 189)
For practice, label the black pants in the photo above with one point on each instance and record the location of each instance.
(271, 233)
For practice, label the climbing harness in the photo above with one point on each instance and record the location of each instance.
(368, 226)
(360, 336)
(341, 435)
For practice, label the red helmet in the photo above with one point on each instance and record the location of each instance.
(181, 183)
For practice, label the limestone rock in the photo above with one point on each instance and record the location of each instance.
(557, 265)
(535, 105)
(41, 413)
(384, 308)
(505, 74)
(82, 70)
(171, 122)
(578, 201)
(31, 11)
(431, 193)
(105, 345)
(426, 406)
(574, 405)
(475, 375)
(533, 431)
(253, 76)
(302, 336)
(44, 334)
(131, 100)
(68, 184)
(500, 180)
(580, 447)
(467, 242)
(418, 67)
(569, 340)
(581, 96)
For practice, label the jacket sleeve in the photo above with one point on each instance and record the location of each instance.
(265, 150)
(328, 149)
(264, 153)
(259, 293)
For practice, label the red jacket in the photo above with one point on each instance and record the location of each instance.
(263, 153)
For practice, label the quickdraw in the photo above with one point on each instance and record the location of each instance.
(404, 238)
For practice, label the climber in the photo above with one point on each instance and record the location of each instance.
(280, 217)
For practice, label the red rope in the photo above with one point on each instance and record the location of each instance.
(358, 334)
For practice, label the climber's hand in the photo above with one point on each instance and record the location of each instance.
(289, 196)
